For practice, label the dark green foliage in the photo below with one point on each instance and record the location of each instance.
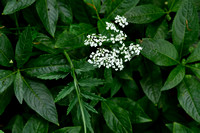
(47, 84)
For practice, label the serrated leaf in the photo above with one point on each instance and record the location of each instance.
(72, 104)
(116, 117)
(90, 82)
(195, 55)
(92, 96)
(13, 6)
(64, 92)
(185, 27)
(161, 52)
(174, 78)
(18, 125)
(89, 107)
(82, 66)
(178, 128)
(152, 83)
(5, 99)
(48, 13)
(6, 51)
(19, 87)
(74, 38)
(53, 75)
(75, 129)
(119, 7)
(39, 98)
(65, 12)
(6, 79)
(46, 64)
(188, 97)
(144, 14)
(87, 119)
(24, 47)
(36, 125)
(195, 69)
(157, 30)
(136, 112)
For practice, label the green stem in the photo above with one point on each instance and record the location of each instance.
(17, 24)
(77, 89)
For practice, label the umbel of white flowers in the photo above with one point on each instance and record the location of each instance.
(115, 57)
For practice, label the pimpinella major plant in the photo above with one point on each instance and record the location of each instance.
(84, 66)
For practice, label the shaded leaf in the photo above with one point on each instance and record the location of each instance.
(82, 66)
(53, 75)
(92, 96)
(195, 69)
(174, 78)
(89, 107)
(144, 14)
(38, 97)
(116, 117)
(18, 125)
(64, 92)
(178, 128)
(115, 86)
(48, 13)
(6, 79)
(90, 82)
(188, 97)
(72, 104)
(65, 12)
(6, 51)
(75, 129)
(195, 56)
(94, 4)
(161, 52)
(13, 6)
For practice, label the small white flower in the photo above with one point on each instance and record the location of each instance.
(121, 20)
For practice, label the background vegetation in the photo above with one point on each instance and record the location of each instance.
(47, 85)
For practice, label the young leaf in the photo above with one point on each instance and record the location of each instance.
(6, 79)
(185, 27)
(74, 38)
(161, 52)
(116, 117)
(46, 64)
(64, 92)
(90, 82)
(36, 125)
(6, 51)
(18, 125)
(195, 69)
(178, 128)
(144, 14)
(136, 112)
(152, 83)
(24, 47)
(75, 129)
(48, 13)
(13, 6)
(38, 97)
(19, 88)
(174, 78)
(195, 56)
(118, 7)
(188, 97)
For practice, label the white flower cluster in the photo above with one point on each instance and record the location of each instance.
(116, 57)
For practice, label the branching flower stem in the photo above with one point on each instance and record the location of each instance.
(77, 89)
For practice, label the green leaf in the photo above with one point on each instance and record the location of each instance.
(195, 69)
(188, 97)
(116, 117)
(65, 12)
(185, 27)
(5, 99)
(174, 5)
(157, 30)
(161, 52)
(6, 79)
(119, 7)
(144, 14)
(75, 129)
(136, 112)
(152, 83)
(64, 92)
(39, 98)
(19, 87)
(24, 47)
(1, 131)
(82, 66)
(174, 78)
(72, 104)
(74, 38)
(36, 125)
(94, 4)
(18, 125)
(89, 107)
(92, 96)
(87, 119)
(13, 6)
(48, 13)
(46, 64)
(115, 86)
(178, 128)
(195, 56)
(53, 75)
(6, 51)
(90, 82)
